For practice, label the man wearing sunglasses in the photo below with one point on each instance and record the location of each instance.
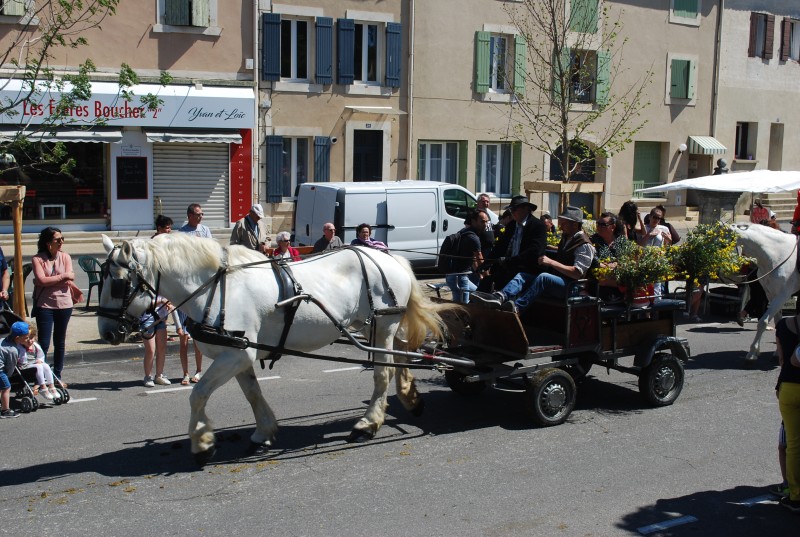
(606, 234)
(194, 215)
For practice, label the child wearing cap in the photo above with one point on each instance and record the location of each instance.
(8, 359)
(31, 357)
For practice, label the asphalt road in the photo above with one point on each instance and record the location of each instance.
(115, 460)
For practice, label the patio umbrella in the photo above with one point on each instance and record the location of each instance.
(756, 181)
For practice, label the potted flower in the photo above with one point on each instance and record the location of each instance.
(635, 269)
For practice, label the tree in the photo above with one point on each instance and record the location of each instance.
(44, 27)
(568, 106)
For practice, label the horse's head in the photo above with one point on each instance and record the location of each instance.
(124, 292)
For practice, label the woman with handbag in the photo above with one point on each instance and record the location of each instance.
(54, 294)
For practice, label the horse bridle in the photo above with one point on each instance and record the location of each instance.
(125, 290)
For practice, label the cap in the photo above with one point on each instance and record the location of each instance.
(19, 328)
(258, 210)
(517, 201)
(574, 214)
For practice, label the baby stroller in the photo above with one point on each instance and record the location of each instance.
(23, 397)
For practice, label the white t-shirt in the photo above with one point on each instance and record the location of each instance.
(658, 240)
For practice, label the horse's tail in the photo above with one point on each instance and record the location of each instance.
(422, 319)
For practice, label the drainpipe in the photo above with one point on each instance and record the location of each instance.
(254, 165)
(715, 84)
(409, 149)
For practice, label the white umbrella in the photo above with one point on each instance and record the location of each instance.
(756, 181)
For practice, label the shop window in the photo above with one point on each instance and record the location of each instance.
(438, 161)
(52, 192)
(762, 31)
(499, 63)
(790, 40)
(369, 53)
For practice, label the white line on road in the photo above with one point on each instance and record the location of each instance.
(182, 388)
(758, 499)
(84, 400)
(646, 530)
(342, 369)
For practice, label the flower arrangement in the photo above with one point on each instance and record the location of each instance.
(708, 252)
(634, 267)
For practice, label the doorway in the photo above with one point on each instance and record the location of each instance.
(367, 155)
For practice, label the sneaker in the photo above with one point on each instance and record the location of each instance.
(780, 490)
(791, 505)
(495, 299)
(162, 380)
(8, 413)
(510, 306)
(148, 382)
(46, 393)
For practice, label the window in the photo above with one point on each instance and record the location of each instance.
(589, 76)
(742, 139)
(494, 168)
(13, 8)
(369, 53)
(762, 30)
(500, 63)
(685, 12)
(790, 39)
(682, 79)
(292, 48)
(187, 16)
(438, 161)
(457, 203)
(287, 166)
(583, 16)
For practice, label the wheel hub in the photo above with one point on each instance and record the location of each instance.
(664, 380)
(554, 397)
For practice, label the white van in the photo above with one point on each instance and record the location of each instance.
(411, 217)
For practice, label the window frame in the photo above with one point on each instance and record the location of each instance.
(762, 35)
(424, 160)
(481, 180)
(380, 52)
(691, 81)
(790, 39)
(292, 155)
(27, 18)
(293, 59)
(213, 28)
(679, 19)
(484, 69)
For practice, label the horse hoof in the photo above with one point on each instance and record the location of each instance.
(359, 436)
(750, 362)
(204, 457)
(418, 409)
(258, 449)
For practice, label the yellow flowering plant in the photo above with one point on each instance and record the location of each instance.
(708, 251)
(634, 267)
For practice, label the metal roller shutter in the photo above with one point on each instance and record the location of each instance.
(192, 173)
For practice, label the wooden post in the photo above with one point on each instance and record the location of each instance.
(15, 197)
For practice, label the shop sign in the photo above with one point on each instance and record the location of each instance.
(181, 107)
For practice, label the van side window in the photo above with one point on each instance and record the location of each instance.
(457, 202)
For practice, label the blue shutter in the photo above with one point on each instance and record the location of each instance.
(274, 169)
(324, 71)
(394, 60)
(346, 35)
(271, 46)
(322, 159)
(176, 12)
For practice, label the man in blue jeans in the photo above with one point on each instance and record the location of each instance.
(572, 260)
(468, 257)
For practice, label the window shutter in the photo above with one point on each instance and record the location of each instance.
(679, 79)
(322, 159)
(583, 16)
(751, 48)
(274, 169)
(691, 83)
(346, 35)
(324, 69)
(201, 15)
(603, 77)
(176, 12)
(462, 163)
(516, 167)
(685, 8)
(786, 34)
(270, 46)
(565, 68)
(769, 37)
(14, 8)
(482, 62)
(394, 49)
(520, 64)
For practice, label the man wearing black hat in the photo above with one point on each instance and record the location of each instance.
(519, 247)
(573, 259)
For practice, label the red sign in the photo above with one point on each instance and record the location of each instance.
(241, 186)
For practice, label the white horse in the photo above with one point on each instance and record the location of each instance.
(354, 285)
(776, 255)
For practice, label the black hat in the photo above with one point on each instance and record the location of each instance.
(516, 201)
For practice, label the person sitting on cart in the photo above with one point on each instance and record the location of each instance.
(519, 247)
(572, 260)
(461, 276)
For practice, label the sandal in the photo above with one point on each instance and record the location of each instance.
(196, 378)
(185, 380)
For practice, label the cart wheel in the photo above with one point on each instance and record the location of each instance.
(550, 397)
(661, 382)
(457, 383)
(26, 404)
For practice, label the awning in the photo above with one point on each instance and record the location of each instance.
(705, 145)
(96, 135)
(194, 136)
(380, 110)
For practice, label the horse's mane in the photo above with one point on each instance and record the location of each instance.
(184, 253)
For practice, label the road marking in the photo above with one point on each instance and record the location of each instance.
(182, 388)
(646, 530)
(758, 499)
(84, 400)
(342, 369)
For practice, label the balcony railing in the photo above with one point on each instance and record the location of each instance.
(647, 184)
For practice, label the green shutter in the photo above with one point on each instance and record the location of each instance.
(13, 8)
(520, 64)
(685, 8)
(692, 83)
(462, 163)
(201, 15)
(516, 168)
(482, 62)
(176, 12)
(647, 162)
(603, 77)
(566, 61)
(679, 79)
(583, 16)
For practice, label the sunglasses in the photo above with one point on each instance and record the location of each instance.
(59, 240)
(197, 214)
(654, 217)
(604, 224)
